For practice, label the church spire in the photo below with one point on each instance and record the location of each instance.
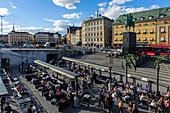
(13, 28)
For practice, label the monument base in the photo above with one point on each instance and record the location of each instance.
(129, 43)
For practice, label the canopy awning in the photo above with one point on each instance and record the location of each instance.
(76, 43)
(87, 63)
(57, 69)
(3, 90)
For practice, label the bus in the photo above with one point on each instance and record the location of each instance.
(154, 50)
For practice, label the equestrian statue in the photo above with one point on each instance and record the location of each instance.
(129, 21)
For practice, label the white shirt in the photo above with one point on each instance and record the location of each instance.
(153, 104)
(120, 89)
(89, 80)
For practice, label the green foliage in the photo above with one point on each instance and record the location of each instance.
(160, 60)
(74, 51)
(128, 61)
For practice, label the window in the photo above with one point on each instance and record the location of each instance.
(100, 33)
(89, 23)
(151, 24)
(162, 22)
(94, 34)
(86, 34)
(144, 39)
(150, 17)
(162, 30)
(89, 29)
(85, 29)
(162, 15)
(120, 39)
(141, 18)
(97, 23)
(138, 31)
(97, 28)
(115, 27)
(121, 26)
(118, 21)
(101, 22)
(144, 24)
(100, 27)
(151, 38)
(168, 9)
(97, 39)
(94, 23)
(115, 39)
(97, 33)
(120, 32)
(101, 39)
(162, 39)
(151, 31)
(91, 39)
(92, 29)
(91, 34)
(94, 39)
(115, 32)
(144, 31)
(138, 25)
(138, 39)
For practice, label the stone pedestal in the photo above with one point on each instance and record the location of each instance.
(129, 43)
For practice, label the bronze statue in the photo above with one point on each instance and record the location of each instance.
(129, 22)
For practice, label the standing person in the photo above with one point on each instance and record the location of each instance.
(135, 109)
(89, 82)
(3, 99)
(102, 104)
(100, 92)
(121, 106)
(30, 109)
(7, 108)
(110, 99)
(92, 79)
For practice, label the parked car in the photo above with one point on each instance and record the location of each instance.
(28, 45)
(2, 45)
(104, 49)
(39, 46)
(7, 45)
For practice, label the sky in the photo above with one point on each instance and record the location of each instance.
(56, 15)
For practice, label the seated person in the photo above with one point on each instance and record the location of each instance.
(51, 93)
(7, 108)
(151, 96)
(126, 97)
(130, 106)
(120, 89)
(142, 97)
(146, 88)
(104, 90)
(99, 77)
(153, 105)
(132, 85)
(33, 80)
(168, 94)
(48, 76)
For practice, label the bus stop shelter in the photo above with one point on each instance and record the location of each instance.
(89, 64)
(61, 71)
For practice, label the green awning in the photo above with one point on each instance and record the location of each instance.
(76, 43)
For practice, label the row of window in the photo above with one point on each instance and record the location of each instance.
(142, 18)
(138, 25)
(93, 28)
(94, 39)
(94, 34)
(94, 23)
(138, 31)
(144, 39)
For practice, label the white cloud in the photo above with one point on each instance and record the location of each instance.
(115, 10)
(69, 4)
(119, 2)
(60, 25)
(4, 11)
(73, 16)
(102, 4)
(11, 4)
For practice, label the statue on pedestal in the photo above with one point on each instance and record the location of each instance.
(129, 22)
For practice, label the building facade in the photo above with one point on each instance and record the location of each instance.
(3, 38)
(79, 36)
(71, 32)
(146, 27)
(41, 37)
(20, 37)
(97, 31)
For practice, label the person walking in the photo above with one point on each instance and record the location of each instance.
(30, 109)
(102, 104)
(7, 108)
(3, 99)
(121, 106)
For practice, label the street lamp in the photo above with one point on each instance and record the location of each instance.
(1, 27)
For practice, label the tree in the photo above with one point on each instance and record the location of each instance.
(63, 52)
(157, 63)
(127, 62)
(74, 52)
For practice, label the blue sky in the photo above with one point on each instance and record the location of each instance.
(57, 15)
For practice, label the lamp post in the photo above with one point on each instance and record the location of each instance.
(1, 27)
